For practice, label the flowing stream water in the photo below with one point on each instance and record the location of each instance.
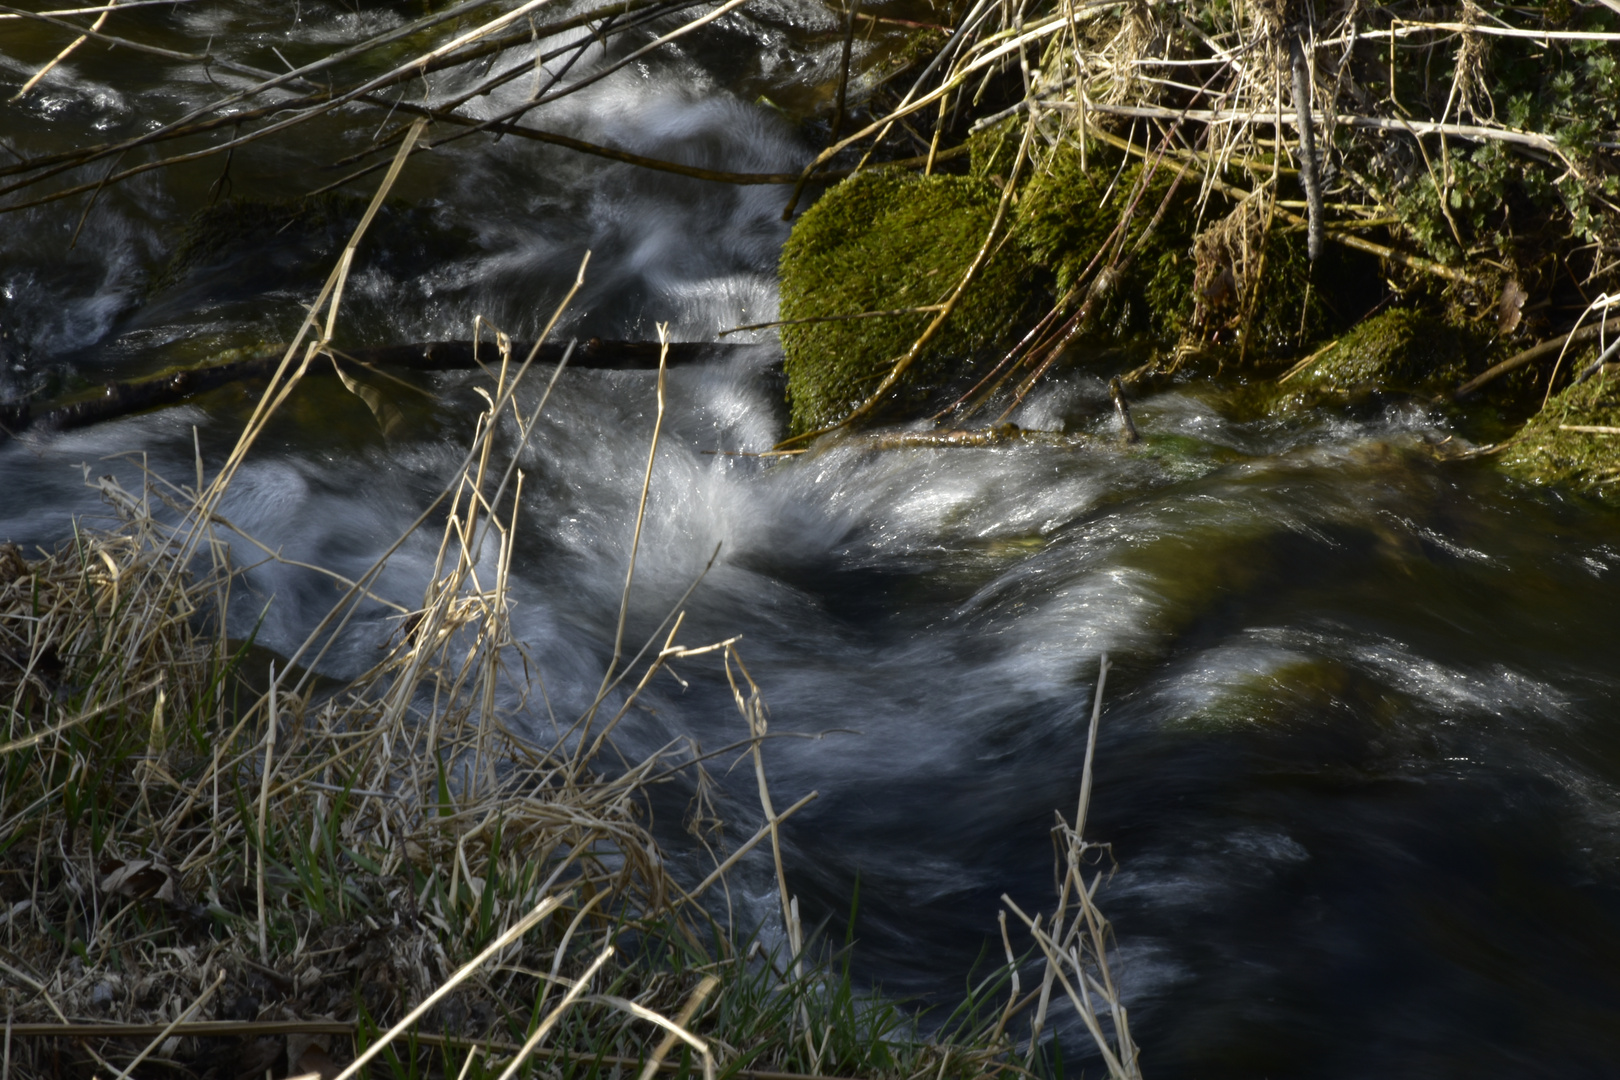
(1360, 758)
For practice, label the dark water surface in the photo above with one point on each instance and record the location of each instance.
(1360, 761)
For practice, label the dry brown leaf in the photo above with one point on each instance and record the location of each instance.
(1510, 308)
(145, 879)
(310, 1059)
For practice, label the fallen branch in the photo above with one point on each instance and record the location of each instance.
(1000, 435)
(1122, 409)
(126, 398)
(1308, 175)
(1407, 29)
(1376, 123)
(1528, 356)
(511, 127)
(892, 313)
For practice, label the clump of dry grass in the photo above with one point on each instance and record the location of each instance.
(207, 868)
(1074, 941)
(195, 834)
(178, 843)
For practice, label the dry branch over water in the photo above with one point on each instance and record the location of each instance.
(160, 391)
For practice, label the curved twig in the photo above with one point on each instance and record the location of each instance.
(1528, 356)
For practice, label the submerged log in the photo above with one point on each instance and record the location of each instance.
(171, 388)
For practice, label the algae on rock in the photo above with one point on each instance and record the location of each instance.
(881, 241)
(1546, 451)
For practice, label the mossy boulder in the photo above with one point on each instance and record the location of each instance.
(1547, 451)
(882, 241)
(1194, 274)
(888, 240)
(1396, 351)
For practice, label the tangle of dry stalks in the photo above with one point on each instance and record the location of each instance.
(1445, 148)
(1075, 941)
(182, 820)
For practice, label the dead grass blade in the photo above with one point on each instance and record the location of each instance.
(1076, 939)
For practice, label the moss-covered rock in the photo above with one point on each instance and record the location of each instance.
(1547, 451)
(1396, 351)
(1193, 279)
(888, 240)
(882, 241)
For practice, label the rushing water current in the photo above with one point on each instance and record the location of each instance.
(1360, 758)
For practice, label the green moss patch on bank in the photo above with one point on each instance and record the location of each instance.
(1399, 350)
(1554, 449)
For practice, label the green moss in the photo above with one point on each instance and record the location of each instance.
(1063, 216)
(1067, 213)
(880, 241)
(1545, 452)
(1397, 350)
(1300, 302)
